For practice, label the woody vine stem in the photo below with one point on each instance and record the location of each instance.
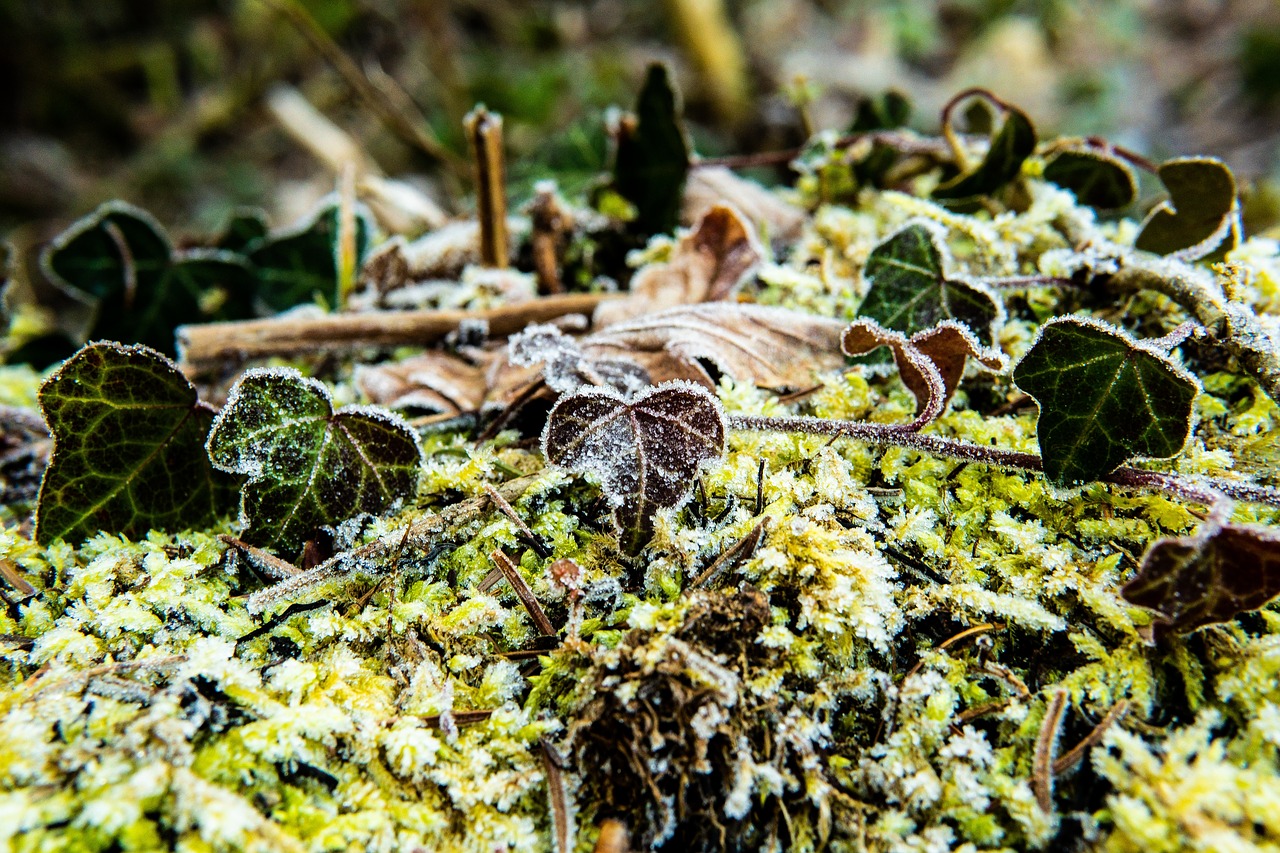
(1206, 490)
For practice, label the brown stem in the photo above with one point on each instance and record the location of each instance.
(208, 343)
(530, 601)
(1206, 490)
(1046, 747)
(484, 133)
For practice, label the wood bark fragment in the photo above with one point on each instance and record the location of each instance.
(209, 343)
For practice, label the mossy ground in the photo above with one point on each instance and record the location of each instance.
(804, 702)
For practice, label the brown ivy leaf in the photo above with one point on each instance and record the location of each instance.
(1213, 576)
(434, 381)
(646, 450)
(706, 266)
(930, 362)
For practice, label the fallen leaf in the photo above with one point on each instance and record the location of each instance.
(930, 362)
(910, 291)
(768, 215)
(308, 465)
(1213, 576)
(1200, 211)
(766, 346)
(128, 448)
(119, 260)
(646, 450)
(435, 381)
(653, 157)
(706, 266)
(1104, 399)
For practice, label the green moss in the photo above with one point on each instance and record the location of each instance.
(806, 699)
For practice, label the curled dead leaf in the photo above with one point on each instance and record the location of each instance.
(434, 381)
(707, 265)
(766, 213)
(930, 362)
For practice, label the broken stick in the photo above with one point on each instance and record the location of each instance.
(208, 343)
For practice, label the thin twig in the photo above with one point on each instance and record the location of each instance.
(274, 566)
(955, 638)
(1046, 746)
(460, 718)
(1076, 754)
(562, 813)
(13, 577)
(732, 556)
(530, 538)
(530, 601)
(212, 343)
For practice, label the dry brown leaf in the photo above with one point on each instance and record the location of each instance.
(706, 266)
(434, 381)
(767, 214)
(930, 362)
(769, 347)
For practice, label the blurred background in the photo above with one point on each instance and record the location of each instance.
(183, 106)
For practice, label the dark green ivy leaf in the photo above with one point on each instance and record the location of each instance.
(300, 265)
(1199, 213)
(1096, 179)
(119, 260)
(646, 449)
(1104, 399)
(653, 157)
(1213, 576)
(308, 466)
(1011, 145)
(128, 447)
(910, 290)
(244, 226)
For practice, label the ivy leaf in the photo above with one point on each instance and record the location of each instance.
(646, 450)
(653, 157)
(308, 465)
(930, 362)
(244, 226)
(1213, 576)
(910, 291)
(128, 452)
(1010, 146)
(1200, 211)
(1104, 399)
(119, 260)
(300, 265)
(1096, 179)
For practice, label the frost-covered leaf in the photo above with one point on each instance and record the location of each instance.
(119, 260)
(706, 266)
(243, 227)
(1199, 213)
(1104, 399)
(308, 465)
(766, 346)
(128, 452)
(433, 381)
(1010, 146)
(653, 157)
(930, 362)
(1213, 576)
(646, 450)
(910, 291)
(300, 265)
(1096, 179)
